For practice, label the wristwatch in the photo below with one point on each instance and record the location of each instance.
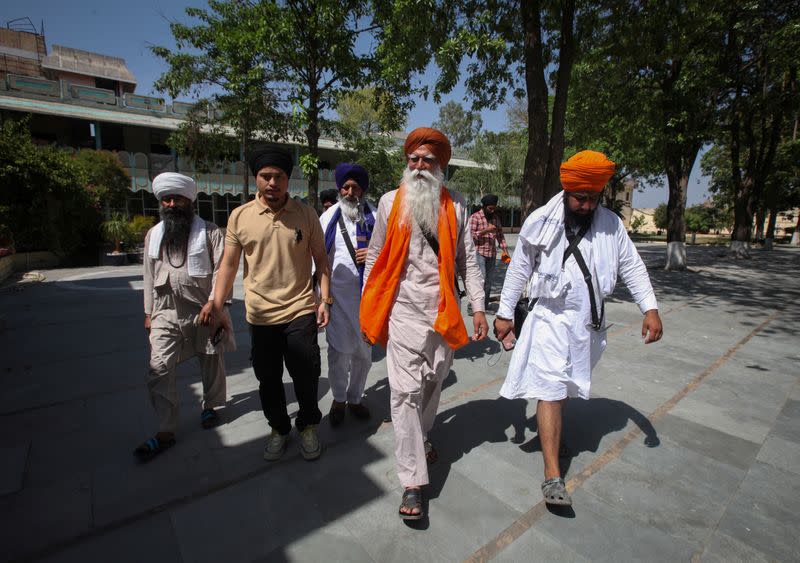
(327, 300)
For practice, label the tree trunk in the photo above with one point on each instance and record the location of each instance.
(742, 220)
(769, 237)
(761, 216)
(796, 233)
(532, 192)
(246, 177)
(312, 137)
(566, 59)
(678, 169)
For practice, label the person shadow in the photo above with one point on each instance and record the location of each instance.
(459, 430)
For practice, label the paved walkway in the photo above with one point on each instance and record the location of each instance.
(690, 448)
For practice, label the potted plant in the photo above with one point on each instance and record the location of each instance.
(137, 230)
(115, 231)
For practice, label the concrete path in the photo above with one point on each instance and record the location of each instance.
(689, 448)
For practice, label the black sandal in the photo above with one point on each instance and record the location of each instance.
(151, 448)
(412, 498)
(209, 418)
(430, 453)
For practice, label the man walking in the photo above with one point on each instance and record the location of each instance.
(279, 237)
(568, 254)
(409, 305)
(348, 228)
(183, 254)
(487, 233)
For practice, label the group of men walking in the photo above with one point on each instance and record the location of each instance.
(387, 276)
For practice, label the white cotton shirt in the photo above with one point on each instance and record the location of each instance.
(344, 330)
(556, 349)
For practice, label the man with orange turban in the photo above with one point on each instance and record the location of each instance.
(409, 304)
(568, 256)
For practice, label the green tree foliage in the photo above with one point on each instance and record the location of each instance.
(51, 199)
(501, 159)
(460, 126)
(650, 81)
(364, 122)
(222, 62)
(522, 47)
(637, 223)
(660, 218)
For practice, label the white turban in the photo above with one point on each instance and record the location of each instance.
(172, 183)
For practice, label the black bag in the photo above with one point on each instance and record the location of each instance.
(524, 306)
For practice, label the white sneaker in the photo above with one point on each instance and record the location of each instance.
(310, 446)
(276, 445)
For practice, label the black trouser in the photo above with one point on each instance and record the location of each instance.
(296, 344)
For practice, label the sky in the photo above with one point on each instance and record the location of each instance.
(127, 31)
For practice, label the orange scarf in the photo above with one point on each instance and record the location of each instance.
(378, 297)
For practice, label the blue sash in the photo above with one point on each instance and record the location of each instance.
(363, 233)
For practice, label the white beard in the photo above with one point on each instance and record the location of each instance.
(421, 202)
(350, 209)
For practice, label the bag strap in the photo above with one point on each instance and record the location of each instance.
(347, 241)
(573, 243)
(587, 277)
(432, 242)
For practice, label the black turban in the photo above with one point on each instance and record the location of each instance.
(489, 199)
(331, 195)
(278, 158)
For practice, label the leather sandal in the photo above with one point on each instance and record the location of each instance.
(412, 498)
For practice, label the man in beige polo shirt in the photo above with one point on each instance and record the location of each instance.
(279, 237)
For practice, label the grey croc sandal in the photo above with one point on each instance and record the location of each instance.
(412, 498)
(555, 492)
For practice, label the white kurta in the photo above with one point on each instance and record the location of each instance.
(557, 348)
(417, 357)
(349, 357)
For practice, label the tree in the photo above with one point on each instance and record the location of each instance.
(364, 122)
(294, 57)
(50, 199)
(660, 216)
(760, 70)
(501, 158)
(637, 223)
(460, 126)
(511, 46)
(654, 68)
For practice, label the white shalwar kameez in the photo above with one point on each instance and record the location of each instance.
(417, 357)
(349, 357)
(558, 347)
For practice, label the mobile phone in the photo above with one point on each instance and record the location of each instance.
(509, 341)
(218, 336)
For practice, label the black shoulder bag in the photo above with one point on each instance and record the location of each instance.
(525, 304)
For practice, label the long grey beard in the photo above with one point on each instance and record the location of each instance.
(350, 209)
(421, 201)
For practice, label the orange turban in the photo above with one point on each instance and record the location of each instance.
(431, 138)
(587, 171)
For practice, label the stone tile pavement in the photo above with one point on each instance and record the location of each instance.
(688, 450)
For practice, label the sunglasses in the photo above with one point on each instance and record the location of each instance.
(413, 159)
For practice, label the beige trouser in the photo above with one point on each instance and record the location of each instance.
(172, 342)
(418, 360)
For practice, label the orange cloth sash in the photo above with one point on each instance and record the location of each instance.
(378, 297)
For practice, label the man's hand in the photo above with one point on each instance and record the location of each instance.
(502, 327)
(651, 327)
(205, 313)
(489, 229)
(147, 323)
(361, 256)
(219, 320)
(481, 327)
(323, 315)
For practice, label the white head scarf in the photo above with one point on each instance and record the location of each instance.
(172, 183)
